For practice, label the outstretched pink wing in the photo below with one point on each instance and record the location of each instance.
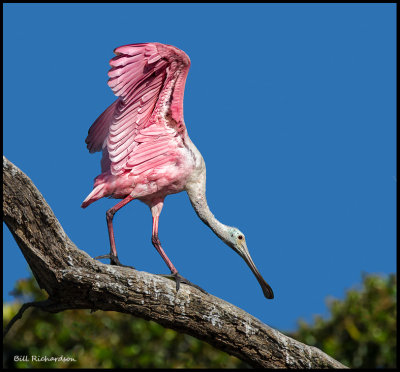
(136, 132)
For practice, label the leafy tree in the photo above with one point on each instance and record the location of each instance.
(99, 339)
(361, 331)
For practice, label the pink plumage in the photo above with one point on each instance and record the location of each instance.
(138, 139)
(146, 151)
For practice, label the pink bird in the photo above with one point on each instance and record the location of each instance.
(147, 152)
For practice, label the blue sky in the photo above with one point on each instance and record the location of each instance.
(292, 107)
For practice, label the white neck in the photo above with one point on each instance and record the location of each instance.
(196, 190)
(197, 196)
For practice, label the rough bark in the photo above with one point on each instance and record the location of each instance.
(74, 280)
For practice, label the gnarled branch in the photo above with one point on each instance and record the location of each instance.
(74, 280)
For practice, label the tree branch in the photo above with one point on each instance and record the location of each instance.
(74, 280)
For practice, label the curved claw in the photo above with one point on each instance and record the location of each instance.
(180, 279)
(113, 260)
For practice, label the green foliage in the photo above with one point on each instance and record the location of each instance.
(361, 332)
(100, 340)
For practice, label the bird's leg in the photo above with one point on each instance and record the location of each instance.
(157, 244)
(109, 216)
(174, 272)
(156, 210)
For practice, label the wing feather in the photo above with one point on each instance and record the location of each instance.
(134, 132)
(148, 165)
(99, 130)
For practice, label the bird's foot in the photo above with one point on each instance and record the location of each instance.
(113, 260)
(180, 279)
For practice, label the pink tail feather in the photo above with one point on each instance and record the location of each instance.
(97, 193)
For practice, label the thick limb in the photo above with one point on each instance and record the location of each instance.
(156, 210)
(113, 256)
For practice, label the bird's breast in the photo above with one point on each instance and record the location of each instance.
(169, 179)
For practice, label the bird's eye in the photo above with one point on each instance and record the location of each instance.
(240, 237)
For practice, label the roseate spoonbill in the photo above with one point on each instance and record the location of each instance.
(147, 152)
